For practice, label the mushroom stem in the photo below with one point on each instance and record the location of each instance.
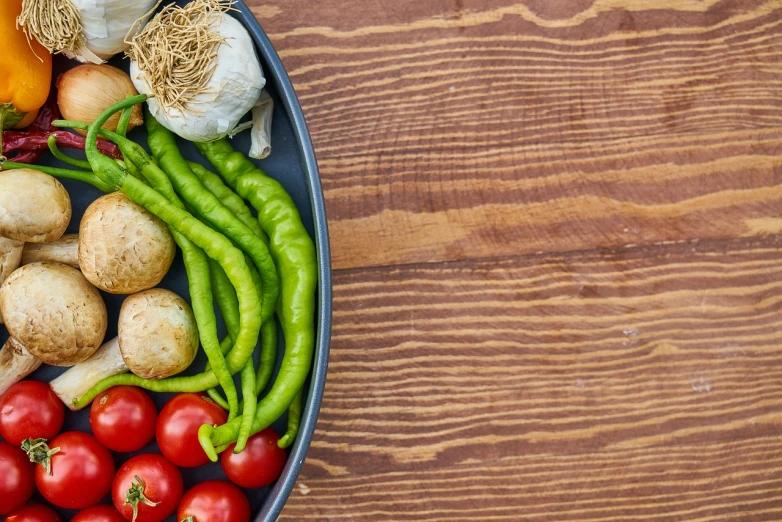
(74, 383)
(10, 256)
(65, 250)
(16, 363)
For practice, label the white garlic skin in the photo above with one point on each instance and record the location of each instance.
(106, 23)
(231, 93)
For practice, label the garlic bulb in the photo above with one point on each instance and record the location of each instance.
(232, 91)
(87, 90)
(88, 30)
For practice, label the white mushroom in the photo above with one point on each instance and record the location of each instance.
(65, 250)
(123, 249)
(34, 207)
(53, 314)
(157, 338)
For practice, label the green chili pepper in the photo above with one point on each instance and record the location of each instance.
(214, 394)
(214, 244)
(228, 304)
(78, 175)
(236, 204)
(228, 197)
(268, 355)
(163, 145)
(294, 419)
(60, 155)
(225, 296)
(250, 404)
(294, 254)
(124, 121)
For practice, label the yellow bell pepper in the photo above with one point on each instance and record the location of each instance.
(25, 71)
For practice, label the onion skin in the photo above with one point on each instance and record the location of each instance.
(87, 90)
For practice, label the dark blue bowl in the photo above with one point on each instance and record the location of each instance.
(293, 164)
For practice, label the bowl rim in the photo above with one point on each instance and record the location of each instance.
(277, 76)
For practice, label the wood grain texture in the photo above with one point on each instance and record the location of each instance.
(557, 234)
(644, 384)
(474, 128)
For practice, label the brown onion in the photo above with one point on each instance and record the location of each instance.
(87, 90)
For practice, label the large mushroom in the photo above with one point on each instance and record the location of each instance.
(54, 316)
(34, 207)
(121, 248)
(156, 338)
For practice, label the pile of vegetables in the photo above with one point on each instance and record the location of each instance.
(242, 240)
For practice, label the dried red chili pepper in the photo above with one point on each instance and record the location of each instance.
(27, 146)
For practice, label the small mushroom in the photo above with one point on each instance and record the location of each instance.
(53, 314)
(34, 207)
(157, 338)
(123, 249)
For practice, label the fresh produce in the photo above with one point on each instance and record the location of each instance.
(236, 204)
(213, 243)
(157, 337)
(147, 488)
(87, 90)
(73, 471)
(227, 302)
(255, 269)
(214, 501)
(177, 428)
(294, 253)
(53, 314)
(123, 419)
(25, 147)
(163, 145)
(87, 30)
(111, 262)
(34, 207)
(294, 419)
(27, 72)
(33, 513)
(99, 513)
(207, 206)
(30, 410)
(17, 480)
(215, 80)
(11, 253)
(259, 465)
(65, 250)
(106, 256)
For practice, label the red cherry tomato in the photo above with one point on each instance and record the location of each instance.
(17, 478)
(147, 488)
(214, 501)
(178, 424)
(33, 513)
(123, 418)
(259, 464)
(81, 470)
(30, 410)
(100, 513)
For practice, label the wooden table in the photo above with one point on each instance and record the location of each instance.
(557, 237)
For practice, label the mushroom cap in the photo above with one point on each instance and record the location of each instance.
(34, 207)
(123, 249)
(54, 312)
(157, 334)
